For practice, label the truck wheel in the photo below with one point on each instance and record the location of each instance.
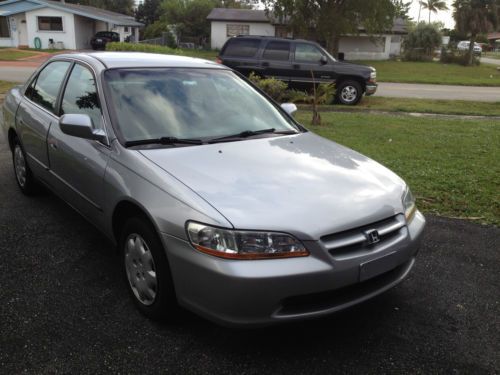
(349, 92)
(146, 269)
(24, 177)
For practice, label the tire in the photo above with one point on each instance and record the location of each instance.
(146, 270)
(24, 177)
(349, 92)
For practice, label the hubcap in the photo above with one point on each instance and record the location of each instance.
(141, 270)
(20, 165)
(349, 94)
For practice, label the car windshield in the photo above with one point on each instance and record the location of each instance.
(188, 104)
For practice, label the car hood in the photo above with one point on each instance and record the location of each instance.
(301, 184)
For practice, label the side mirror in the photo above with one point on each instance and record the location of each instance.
(323, 60)
(289, 108)
(80, 125)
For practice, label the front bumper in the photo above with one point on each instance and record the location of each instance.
(371, 88)
(261, 292)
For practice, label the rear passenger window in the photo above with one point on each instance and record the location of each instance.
(307, 53)
(80, 95)
(277, 51)
(45, 88)
(242, 48)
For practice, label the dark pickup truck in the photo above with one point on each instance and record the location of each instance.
(293, 60)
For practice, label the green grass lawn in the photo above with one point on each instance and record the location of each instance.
(136, 47)
(451, 165)
(11, 55)
(5, 86)
(436, 73)
(449, 107)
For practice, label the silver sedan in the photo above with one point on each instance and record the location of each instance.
(217, 199)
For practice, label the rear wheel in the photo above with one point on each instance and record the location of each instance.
(349, 92)
(146, 269)
(24, 177)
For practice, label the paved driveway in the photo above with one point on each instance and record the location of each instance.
(64, 309)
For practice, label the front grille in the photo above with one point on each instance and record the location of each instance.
(354, 241)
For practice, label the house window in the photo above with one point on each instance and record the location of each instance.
(125, 29)
(4, 27)
(50, 23)
(235, 30)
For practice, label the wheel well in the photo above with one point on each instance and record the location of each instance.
(352, 78)
(12, 135)
(123, 211)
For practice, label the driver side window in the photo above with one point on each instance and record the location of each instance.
(80, 95)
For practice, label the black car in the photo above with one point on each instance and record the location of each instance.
(100, 39)
(293, 60)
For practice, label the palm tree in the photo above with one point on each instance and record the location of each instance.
(475, 17)
(434, 6)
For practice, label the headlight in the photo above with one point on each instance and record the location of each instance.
(409, 204)
(373, 75)
(237, 244)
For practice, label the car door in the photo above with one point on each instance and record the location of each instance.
(310, 64)
(77, 165)
(276, 60)
(36, 114)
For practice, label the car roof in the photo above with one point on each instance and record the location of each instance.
(143, 60)
(268, 37)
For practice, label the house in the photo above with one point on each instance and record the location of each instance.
(68, 26)
(226, 23)
(494, 40)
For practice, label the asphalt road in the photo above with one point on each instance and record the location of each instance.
(450, 92)
(395, 90)
(64, 309)
(15, 73)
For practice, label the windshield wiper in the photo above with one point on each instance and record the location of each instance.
(249, 133)
(164, 141)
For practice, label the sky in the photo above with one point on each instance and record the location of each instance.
(445, 16)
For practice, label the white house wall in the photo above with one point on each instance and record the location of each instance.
(84, 31)
(67, 36)
(363, 47)
(219, 31)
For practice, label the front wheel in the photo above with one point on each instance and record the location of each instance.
(349, 92)
(146, 269)
(24, 177)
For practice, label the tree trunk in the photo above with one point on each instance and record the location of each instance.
(472, 42)
(332, 45)
(429, 16)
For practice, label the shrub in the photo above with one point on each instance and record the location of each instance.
(276, 89)
(421, 42)
(454, 56)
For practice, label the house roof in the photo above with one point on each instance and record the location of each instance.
(494, 36)
(9, 8)
(18, 6)
(252, 15)
(238, 15)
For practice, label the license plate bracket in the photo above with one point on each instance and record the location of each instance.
(378, 266)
